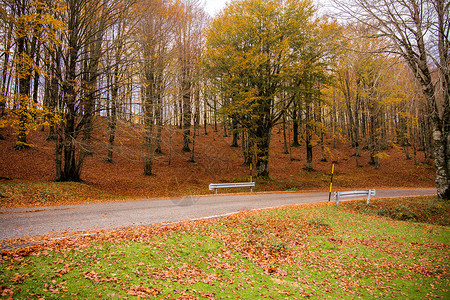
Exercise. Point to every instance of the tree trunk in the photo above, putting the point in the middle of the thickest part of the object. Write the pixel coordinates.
(224, 125)
(68, 131)
(441, 133)
(234, 143)
(4, 88)
(53, 94)
(286, 150)
(88, 116)
(262, 152)
(112, 123)
(414, 143)
(441, 138)
(295, 126)
(70, 172)
(24, 83)
(308, 138)
(112, 111)
(322, 133)
(374, 139)
(215, 114)
(205, 115)
(194, 136)
(247, 148)
(356, 123)
(176, 113)
(334, 119)
(196, 121)
(112, 119)
(36, 74)
(423, 127)
(187, 113)
(159, 123)
(58, 154)
(180, 114)
(149, 141)
(149, 151)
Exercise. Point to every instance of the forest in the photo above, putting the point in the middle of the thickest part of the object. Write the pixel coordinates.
(372, 76)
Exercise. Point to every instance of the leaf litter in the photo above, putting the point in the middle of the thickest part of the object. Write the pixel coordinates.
(293, 252)
(27, 177)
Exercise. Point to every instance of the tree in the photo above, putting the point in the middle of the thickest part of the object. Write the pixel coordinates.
(253, 50)
(154, 36)
(87, 23)
(189, 44)
(28, 24)
(347, 83)
(373, 88)
(316, 56)
(25, 55)
(419, 31)
(115, 76)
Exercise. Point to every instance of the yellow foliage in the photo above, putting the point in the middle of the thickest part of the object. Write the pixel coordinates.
(382, 155)
(29, 117)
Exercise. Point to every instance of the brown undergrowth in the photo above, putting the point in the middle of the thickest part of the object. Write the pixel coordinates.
(27, 176)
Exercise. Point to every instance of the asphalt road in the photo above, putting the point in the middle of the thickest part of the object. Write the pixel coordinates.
(29, 222)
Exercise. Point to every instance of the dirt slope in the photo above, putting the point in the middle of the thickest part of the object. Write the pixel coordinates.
(215, 160)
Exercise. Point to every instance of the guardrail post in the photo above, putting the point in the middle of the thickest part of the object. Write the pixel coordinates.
(371, 193)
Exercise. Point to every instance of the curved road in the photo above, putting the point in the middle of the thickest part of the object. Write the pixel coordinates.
(28, 222)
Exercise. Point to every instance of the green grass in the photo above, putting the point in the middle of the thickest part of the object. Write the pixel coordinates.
(311, 251)
(427, 209)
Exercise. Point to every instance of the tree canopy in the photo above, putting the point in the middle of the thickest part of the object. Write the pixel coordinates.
(256, 54)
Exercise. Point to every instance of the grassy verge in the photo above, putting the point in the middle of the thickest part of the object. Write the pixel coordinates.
(432, 210)
(312, 251)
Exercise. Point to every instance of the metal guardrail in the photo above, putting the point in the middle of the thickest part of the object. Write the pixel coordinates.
(367, 193)
(215, 186)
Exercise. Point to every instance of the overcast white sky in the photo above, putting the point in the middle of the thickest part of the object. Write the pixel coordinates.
(214, 6)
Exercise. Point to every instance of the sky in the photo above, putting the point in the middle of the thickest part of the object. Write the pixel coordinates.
(214, 6)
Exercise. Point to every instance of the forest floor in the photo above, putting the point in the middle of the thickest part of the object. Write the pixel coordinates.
(27, 176)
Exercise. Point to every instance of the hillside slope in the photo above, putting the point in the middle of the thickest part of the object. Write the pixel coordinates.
(215, 161)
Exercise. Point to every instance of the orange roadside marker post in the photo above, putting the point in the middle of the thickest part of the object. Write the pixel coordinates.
(331, 184)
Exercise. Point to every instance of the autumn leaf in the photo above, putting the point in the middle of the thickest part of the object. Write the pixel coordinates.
(61, 272)
(287, 293)
(144, 292)
(95, 277)
(187, 297)
(19, 278)
(6, 291)
(91, 275)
